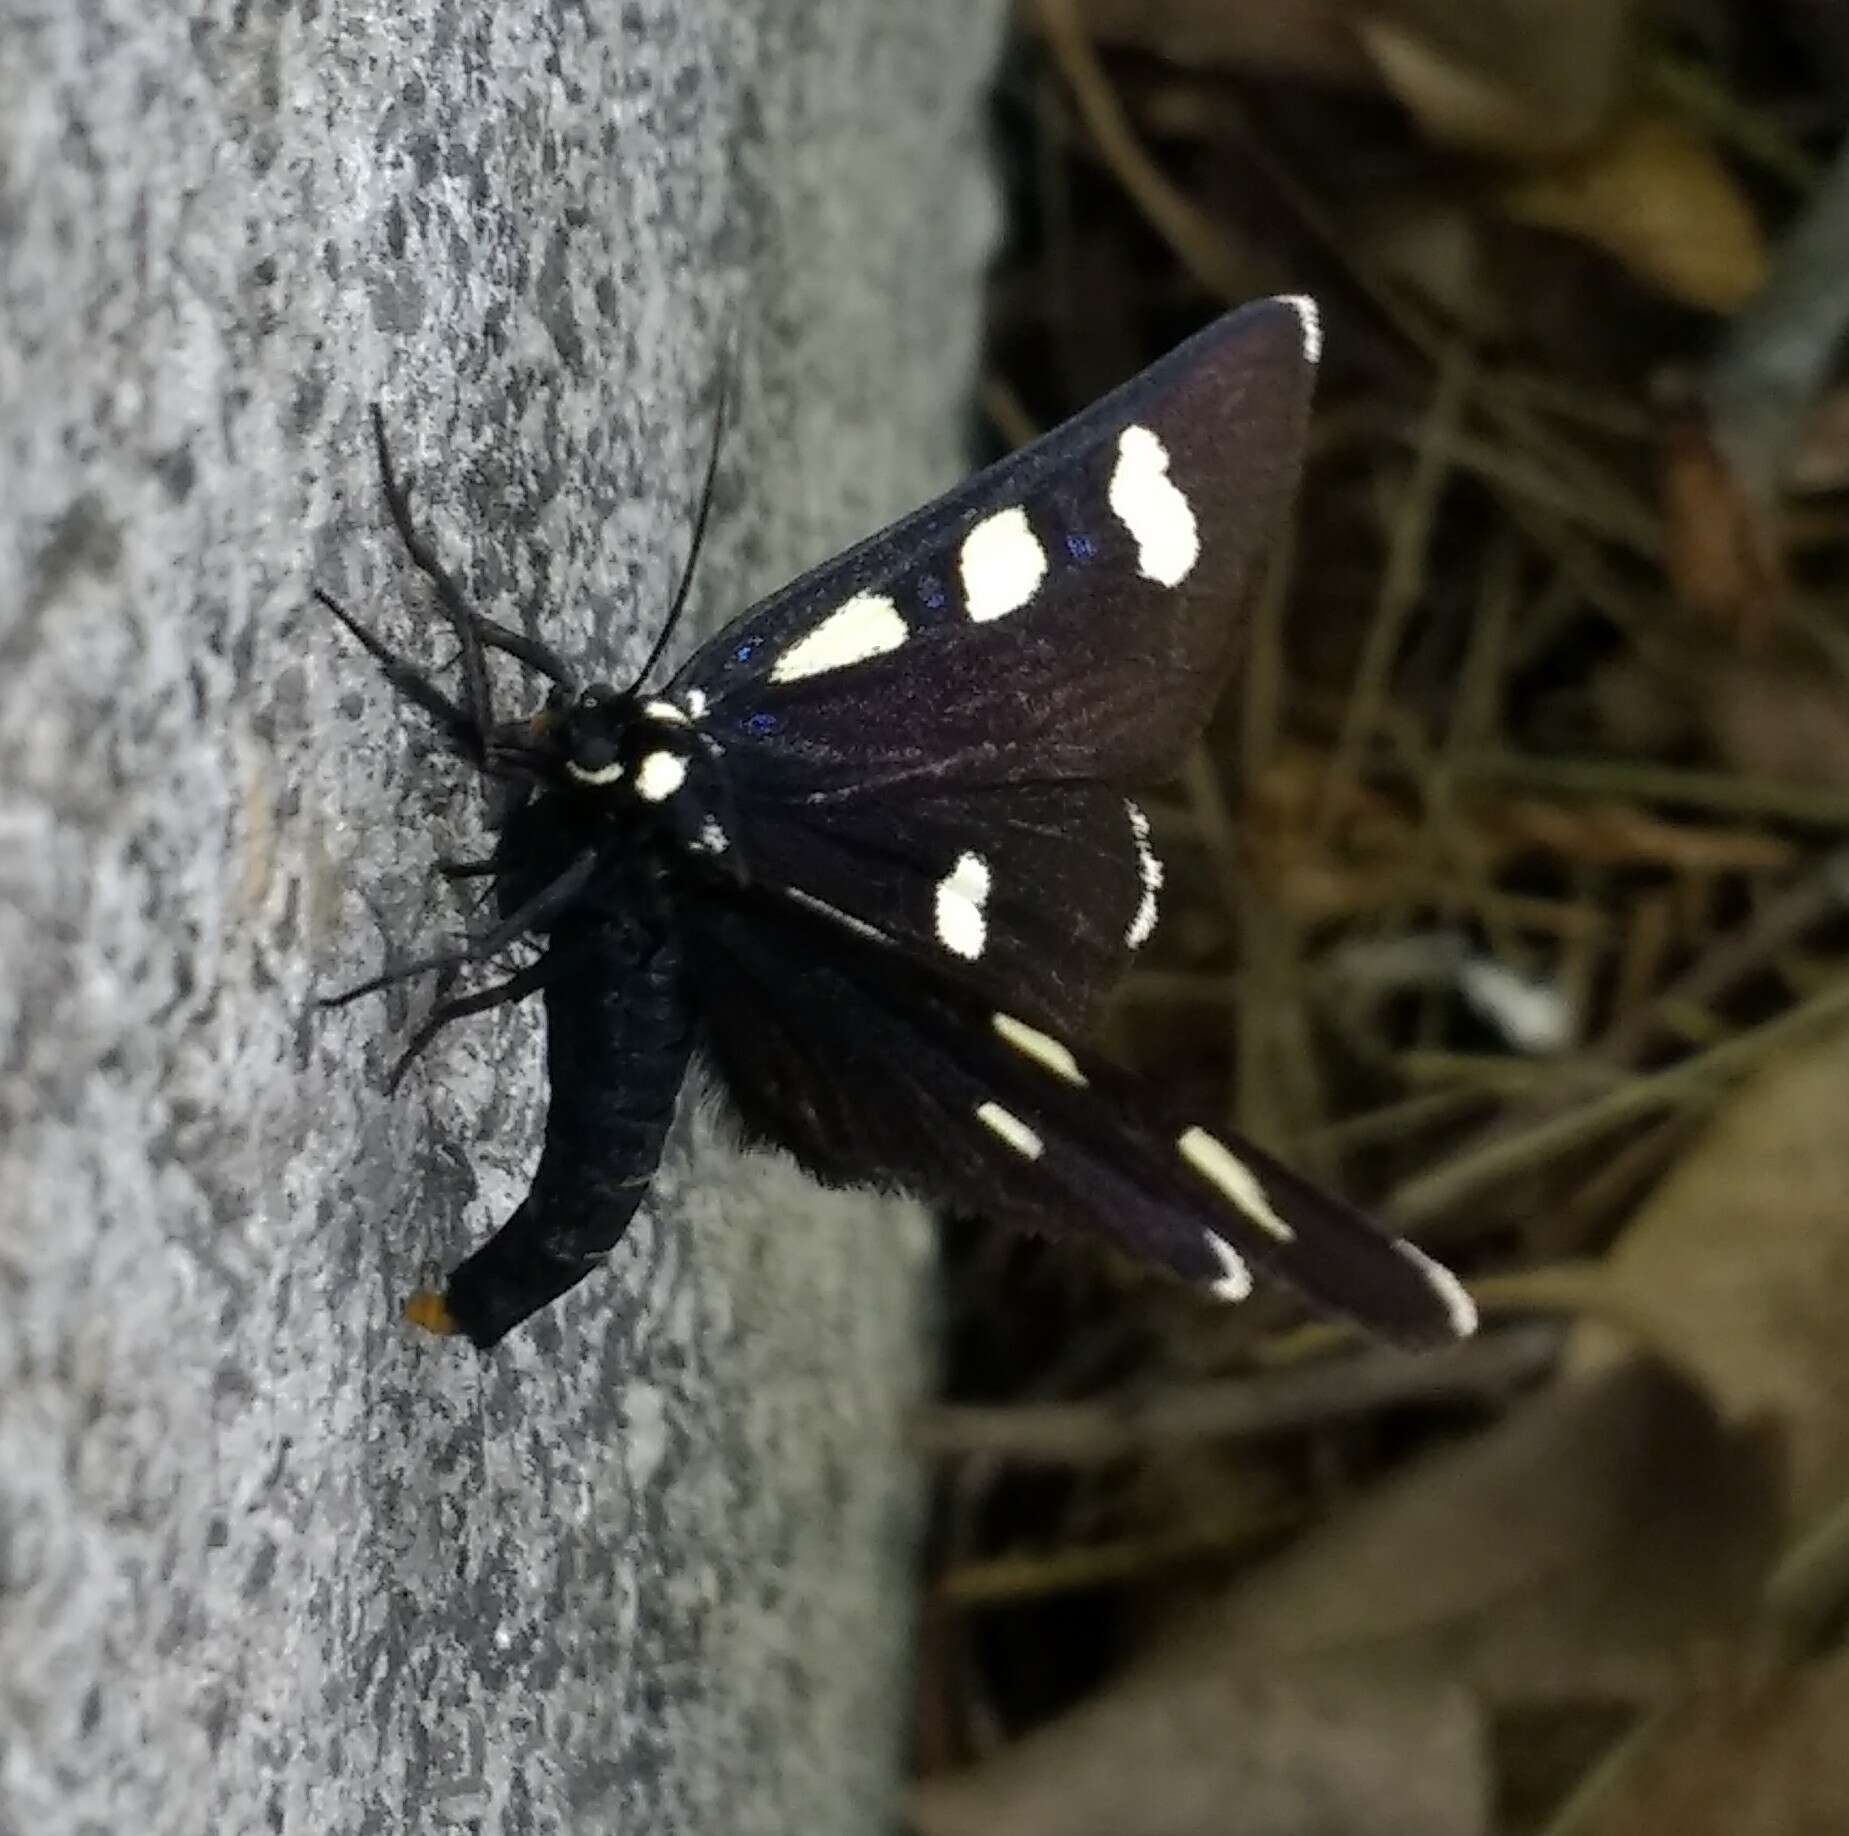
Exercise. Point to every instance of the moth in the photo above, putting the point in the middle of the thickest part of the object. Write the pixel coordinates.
(873, 853)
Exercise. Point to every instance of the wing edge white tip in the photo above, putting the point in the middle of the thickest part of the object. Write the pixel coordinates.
(1309, 319)
(1458, 1305)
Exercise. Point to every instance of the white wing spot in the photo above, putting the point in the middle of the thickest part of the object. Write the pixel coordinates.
(696, 703)
(665, 710)
(1236, 1283)
(962, 927)
(1311, 321)
(1046, 1051)
(712, 838)
(1151, 506)
(869, 625)
(659, 776)
(594, 774)
(1002, 566)
(1011, 1129)
(1216, 1161)
(1456, 1298)
(1149, 869)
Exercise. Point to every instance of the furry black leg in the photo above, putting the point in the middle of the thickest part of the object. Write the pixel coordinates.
(548, 903)
(528, 981)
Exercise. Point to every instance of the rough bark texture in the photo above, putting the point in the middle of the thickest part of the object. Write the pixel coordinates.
(267, 1560)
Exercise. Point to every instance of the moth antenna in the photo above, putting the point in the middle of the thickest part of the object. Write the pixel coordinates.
(699, 519)
(478, 695)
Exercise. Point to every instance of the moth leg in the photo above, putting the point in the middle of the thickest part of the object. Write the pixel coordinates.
(542, 659)
(516, 988)
(477, 691)
(544, 906)
(412, 684)
(475, 631)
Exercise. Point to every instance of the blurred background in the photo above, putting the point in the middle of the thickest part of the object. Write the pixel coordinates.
(1510, 897)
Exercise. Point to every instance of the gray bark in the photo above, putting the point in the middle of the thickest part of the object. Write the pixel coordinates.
(268, 1560)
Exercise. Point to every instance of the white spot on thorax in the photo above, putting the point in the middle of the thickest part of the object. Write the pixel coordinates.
(1046, 1051)
(1236, 1283)
(868, 625)
(594, 774)
(1311, 321)
(659, 776)
(1213, 1158)
(1011, 1129)
(1149, 870)
(1150, 505)
(962, 927)
(1457, 1302)
(1002, 566)
(665, 710)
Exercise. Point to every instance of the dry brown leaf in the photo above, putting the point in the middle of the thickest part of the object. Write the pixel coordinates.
(1781, 721)
(1581, 1548)
(1522, 78)
(1723, 540)
(1659, 198)
(1767, 1761)
(1301, 1753)
(1820, 461)
(1743, 1255)
(1638, 713)
(1435, 246)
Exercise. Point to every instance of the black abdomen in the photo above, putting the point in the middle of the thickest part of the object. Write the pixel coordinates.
(618, 1038)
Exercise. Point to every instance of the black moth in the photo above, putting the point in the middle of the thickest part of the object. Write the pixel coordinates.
(869, 852)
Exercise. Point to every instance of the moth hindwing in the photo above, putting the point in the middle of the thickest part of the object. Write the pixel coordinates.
(871, 849)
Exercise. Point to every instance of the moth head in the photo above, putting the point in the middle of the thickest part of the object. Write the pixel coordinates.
(589, 730)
